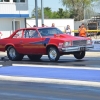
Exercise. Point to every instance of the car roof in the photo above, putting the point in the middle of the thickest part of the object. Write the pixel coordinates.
(36, 28)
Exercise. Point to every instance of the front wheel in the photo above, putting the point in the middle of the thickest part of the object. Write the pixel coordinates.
(13, 54)
(53, 54)
(79, 55)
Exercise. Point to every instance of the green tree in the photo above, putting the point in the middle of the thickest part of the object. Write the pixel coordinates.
(62, 13)
(54, 15)
(76, 7)
(33, 13)
(47, 12)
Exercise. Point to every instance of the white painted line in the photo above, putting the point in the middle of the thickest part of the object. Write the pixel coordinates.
(52, 81)
(53, 66)
(0, 65)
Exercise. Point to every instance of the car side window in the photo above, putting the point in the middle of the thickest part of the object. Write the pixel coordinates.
(30, 34)
(49, 31)
(26, 34)
(18, 34)
(44, 32)
(59, 31)
(53, 31)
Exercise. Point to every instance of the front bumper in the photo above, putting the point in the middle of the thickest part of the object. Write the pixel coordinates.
(77, 48)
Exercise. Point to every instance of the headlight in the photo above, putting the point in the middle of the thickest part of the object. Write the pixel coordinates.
(67, 44)
(89, 41)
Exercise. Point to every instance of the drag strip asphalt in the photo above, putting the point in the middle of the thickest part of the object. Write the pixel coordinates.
(64, 75)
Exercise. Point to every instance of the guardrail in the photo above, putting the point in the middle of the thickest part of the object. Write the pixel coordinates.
(94, 34)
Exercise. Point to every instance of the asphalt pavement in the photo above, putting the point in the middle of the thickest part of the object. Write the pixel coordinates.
(67, 79)
(41, 91)
(91, 59)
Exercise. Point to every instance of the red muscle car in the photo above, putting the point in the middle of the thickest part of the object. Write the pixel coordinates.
(35, 42)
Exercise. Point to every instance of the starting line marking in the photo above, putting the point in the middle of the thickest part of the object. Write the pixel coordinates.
(0, 65)
(52, 81)
(54, 66)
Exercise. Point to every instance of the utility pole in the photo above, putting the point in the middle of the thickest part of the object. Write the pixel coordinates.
(42, 12)
(36, 12)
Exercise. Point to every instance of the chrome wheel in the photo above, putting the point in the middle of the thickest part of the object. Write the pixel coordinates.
(53, 54)
(12, 53)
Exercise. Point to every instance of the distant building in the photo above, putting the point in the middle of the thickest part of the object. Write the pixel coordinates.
(13, 14)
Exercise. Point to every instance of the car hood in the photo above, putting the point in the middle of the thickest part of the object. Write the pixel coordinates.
(67, 37)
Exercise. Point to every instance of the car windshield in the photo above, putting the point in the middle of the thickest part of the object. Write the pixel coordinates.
(49, 31)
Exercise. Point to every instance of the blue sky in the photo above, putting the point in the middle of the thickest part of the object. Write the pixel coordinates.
(53, 4)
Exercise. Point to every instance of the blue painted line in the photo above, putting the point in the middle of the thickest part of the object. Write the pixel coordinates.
(54, 73)
(46, 40)
(14, 15)
(40, 42)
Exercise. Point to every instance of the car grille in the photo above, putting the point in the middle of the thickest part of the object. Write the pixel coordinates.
(79, 43)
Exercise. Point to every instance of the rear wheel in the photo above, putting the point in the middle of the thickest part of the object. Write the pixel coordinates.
(34, 57)
(53, 54)
(13, 54)
(79, 55)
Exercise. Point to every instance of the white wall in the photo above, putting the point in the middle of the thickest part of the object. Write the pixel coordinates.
(13, 8)
(6, 26)
(59, 23)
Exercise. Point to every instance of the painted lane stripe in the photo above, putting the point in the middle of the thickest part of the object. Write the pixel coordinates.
(53, 66)
(0, 65)
(52, 73)
(52, 81)
(31, 96)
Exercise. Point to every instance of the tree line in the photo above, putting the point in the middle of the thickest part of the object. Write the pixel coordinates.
(49, 14)
(74, 9)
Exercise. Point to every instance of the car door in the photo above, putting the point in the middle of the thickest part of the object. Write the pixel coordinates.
(22, 41)
(33, 41)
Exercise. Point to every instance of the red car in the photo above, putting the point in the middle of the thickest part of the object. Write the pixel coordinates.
(35, 42)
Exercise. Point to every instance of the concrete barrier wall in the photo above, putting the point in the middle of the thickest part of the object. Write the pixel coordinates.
(96, 43)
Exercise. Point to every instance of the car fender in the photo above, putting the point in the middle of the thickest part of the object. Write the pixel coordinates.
(7, 45)
(49, 45)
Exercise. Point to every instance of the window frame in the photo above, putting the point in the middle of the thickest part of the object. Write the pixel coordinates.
(19, 1)
(4, 1)
(17, 35)
(29, 33)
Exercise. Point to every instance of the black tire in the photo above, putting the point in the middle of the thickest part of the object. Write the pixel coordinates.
(79, 55)
(34, 57)
(57, 54)
(13, 54)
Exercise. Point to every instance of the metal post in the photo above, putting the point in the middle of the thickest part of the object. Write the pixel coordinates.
(42, 12)
(84, 14)
(36, 12)
(25, 22)
(13, 24)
